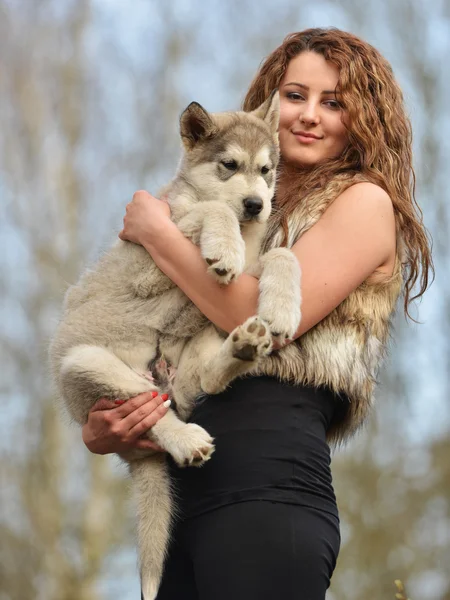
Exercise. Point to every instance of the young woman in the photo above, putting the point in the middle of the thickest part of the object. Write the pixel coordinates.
(260, 519)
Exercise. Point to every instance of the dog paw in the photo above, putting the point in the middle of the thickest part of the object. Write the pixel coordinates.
(192, 446)
(224, 270)
(225, 264)
(251, 340)
(282, 323)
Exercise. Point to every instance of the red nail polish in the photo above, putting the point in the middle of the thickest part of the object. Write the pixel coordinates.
(154, 394)
(119, 402)
(164, 396)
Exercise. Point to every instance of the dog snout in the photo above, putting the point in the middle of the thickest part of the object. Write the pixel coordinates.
(253, 205)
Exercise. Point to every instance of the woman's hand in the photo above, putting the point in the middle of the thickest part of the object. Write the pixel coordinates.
(146, 216)
(117, 426)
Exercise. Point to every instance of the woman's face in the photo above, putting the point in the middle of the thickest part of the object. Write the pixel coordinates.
(311, 127)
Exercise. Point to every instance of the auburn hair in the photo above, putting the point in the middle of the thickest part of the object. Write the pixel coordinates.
(380, 137)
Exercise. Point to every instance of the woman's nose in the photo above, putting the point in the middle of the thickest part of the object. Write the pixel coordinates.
(309, 113)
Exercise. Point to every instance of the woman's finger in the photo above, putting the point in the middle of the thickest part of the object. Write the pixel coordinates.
(124, 409)
(141, 195)
(149, 420)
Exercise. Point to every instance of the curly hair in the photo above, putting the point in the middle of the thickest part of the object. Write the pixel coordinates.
(380, 137)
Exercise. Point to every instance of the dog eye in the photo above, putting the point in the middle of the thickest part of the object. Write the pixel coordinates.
(231, 165)
(265, 170)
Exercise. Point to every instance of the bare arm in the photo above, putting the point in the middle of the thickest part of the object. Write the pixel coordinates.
(354, 237)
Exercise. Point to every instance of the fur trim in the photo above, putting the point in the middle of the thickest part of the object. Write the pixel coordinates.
(345, 350)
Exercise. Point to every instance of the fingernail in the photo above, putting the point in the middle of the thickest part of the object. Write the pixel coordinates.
(164, 396)
(119, 402)
(167, 403)
(154, 394)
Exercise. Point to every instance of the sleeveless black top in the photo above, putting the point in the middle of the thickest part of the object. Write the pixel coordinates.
(270, 440)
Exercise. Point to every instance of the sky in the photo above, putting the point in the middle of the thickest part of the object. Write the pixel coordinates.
(227, 46)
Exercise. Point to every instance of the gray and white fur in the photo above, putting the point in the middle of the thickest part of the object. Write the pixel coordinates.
(124, 313)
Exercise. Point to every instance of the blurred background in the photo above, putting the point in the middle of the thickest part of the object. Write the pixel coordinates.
(90, 94)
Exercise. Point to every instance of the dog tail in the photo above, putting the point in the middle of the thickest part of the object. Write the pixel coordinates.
(91, 372)
(151, 487)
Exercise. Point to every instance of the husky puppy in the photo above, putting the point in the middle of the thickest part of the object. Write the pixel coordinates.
(124, 313)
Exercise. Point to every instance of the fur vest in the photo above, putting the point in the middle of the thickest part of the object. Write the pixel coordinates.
(344, 351)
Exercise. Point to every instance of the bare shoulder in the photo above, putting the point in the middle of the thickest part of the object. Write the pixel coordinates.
(363, 198)
(362, 205)
(365, 211)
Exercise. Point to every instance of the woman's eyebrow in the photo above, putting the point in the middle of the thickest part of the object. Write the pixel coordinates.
(305, 87)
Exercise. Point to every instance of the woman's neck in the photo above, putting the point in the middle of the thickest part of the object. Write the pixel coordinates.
(299, 180)
(290, 179)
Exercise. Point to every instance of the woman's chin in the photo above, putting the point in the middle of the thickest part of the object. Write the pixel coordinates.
(302, 160)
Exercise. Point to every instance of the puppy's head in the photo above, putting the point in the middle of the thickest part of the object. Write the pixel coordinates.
(233, 157)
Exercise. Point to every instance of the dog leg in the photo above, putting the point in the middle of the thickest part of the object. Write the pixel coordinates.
(279, 292)
(240, 354)
(187, 443)
(91, 372)
(215, 228)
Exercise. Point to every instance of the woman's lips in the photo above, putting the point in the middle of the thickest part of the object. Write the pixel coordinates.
(306, 139)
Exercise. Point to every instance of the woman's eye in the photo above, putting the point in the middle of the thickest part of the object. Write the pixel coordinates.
(334, 104)
(265, 170)
(294, 96)
(231, 165)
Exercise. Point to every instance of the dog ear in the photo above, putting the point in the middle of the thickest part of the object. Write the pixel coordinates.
(196, 124)
(269, 111)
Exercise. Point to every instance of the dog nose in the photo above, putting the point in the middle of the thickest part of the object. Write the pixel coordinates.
(253, 205)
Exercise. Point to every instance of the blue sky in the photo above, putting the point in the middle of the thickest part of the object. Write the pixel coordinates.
(227, 42)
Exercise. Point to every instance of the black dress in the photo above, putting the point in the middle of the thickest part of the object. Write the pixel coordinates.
(259, 520)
